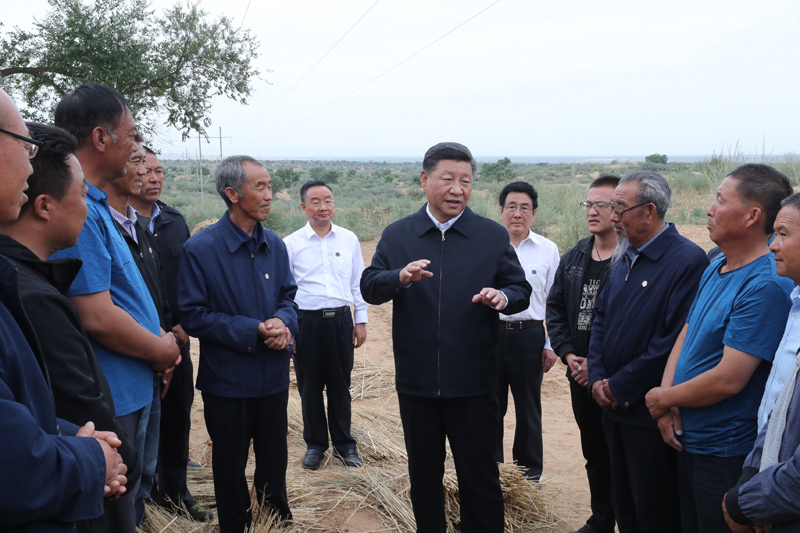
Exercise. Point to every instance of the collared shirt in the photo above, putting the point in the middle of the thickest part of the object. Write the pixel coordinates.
(539, 259)
(632, 252)
(128, 221)
(152, 225)
(443, 226)
(327, 270)
(784, 359)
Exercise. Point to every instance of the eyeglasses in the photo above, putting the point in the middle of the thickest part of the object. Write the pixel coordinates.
(523, 209)
(316, 203)
(30, 144)
(599, 206)
(617, 209)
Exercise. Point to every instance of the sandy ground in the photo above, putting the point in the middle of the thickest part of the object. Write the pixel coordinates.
(564, 472)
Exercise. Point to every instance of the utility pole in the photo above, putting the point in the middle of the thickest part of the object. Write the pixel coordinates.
(200, 159)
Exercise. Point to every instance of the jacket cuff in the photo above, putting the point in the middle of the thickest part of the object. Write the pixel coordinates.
(732, 506)
(563, 350)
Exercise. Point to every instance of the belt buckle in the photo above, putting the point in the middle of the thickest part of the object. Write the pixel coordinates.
(509, 324)
(328, 313)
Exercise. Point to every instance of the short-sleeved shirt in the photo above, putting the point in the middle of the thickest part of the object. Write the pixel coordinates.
(733, 309)
(109, 266)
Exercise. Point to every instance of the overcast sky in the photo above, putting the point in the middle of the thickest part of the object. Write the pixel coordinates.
(521, 78)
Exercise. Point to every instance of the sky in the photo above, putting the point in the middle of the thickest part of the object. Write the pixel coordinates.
(505, 77)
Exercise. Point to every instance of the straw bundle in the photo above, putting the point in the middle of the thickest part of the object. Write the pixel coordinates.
(367, 380)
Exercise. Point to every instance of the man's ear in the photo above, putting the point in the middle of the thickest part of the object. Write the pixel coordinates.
(232, 195)
(98, 139)
(754, 214)
(423, 180)
(43, 206)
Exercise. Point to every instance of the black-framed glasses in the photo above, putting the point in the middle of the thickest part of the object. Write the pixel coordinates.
(599, 206)
(619, 211)
(32, 145)
(524, 209)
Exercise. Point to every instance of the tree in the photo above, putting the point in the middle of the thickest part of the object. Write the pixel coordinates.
(656, 158)
(322, 174)
(287, 175)
(500, 171)
(172, 64)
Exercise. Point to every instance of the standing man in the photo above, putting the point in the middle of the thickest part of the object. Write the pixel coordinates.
(326, 263)
(236, 294)
(638, 317)
(766, 493)
(581, 275)
(111, 297)
(525, 352)
(445, 335)
(716, 372)
(171, 232)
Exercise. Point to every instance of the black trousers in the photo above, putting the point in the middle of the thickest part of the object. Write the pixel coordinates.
(703, 482)
(589, 417)
(231, 423)
(644, 479)
(470, 426)
(176, 423)
(520, 368)
(324, 361)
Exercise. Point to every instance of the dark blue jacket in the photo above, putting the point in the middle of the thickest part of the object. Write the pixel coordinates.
(47, 481)
(224, 292)
(638, 316)
(171, 233)
(445, 345)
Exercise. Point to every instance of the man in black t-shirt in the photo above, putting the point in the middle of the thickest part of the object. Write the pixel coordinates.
(580, 277)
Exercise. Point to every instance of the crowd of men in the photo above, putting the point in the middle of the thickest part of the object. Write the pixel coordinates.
(682, 371)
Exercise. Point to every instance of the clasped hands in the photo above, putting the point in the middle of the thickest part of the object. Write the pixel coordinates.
(115, 469)
(415, 271)
(275, 333)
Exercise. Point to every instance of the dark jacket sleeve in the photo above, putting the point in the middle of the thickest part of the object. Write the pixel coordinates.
(511, 281)
(379, 282)
(556, 313)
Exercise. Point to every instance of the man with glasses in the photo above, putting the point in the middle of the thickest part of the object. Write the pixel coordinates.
(715, 376)
(525, 353)
(582, 273)
(109, 292)
(638, 317)
(326, 263)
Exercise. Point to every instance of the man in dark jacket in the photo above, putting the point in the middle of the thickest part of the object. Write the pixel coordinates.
(581, 275)
(51, 220)
(445, 341)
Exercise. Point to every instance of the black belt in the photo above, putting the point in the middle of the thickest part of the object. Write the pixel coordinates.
(521, 324)
(326, 313)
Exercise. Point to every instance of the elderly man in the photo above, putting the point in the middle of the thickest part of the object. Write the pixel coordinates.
(716, 372)
(236, 294)
(51, 220)
(111, 297)
(449, 272)
(582, 273)
(638, 317)
(49, 480)
(171, 232)
(525, 353)
(766, 495)
(327, 265)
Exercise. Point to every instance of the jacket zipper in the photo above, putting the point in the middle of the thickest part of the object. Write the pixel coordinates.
(439, 328)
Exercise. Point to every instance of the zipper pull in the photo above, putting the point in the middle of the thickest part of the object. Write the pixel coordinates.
(442, 236)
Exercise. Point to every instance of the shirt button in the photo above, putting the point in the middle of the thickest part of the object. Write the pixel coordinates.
(627, 404)
(249, 349)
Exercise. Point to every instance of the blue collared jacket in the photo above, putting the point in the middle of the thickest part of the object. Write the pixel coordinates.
(224, 292)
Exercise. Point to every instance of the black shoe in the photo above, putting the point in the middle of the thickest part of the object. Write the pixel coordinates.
(193, 464)
(198, 513)
(312, 459)
(588, 528)
(349, 458)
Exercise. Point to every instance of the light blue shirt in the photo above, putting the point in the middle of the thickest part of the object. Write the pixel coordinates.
(784, 359)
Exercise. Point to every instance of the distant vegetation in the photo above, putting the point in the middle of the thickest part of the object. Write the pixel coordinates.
(371, 195)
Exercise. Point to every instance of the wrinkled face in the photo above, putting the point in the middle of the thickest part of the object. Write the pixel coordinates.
(599, 220)
(727, 215)
(517, 214)
(15, 166)
(631, 224)
(153, 180)
(447, 188)
(786, 245)
(131, 183)
(118, 153)
(256, 198)
(318, 206)
(71, 210)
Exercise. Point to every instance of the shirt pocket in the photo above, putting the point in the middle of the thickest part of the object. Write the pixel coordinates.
(342, 264)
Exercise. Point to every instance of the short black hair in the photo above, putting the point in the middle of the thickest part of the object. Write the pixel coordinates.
(148, 150)
(447, 151)
(89, 106)
(792, 200)
(605, 180)
(765, 186)
(523, 187)
(312, 183)
(51, 174)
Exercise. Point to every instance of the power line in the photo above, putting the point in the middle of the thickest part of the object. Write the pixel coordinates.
(384, 73)
(245, 14)
(309, 70)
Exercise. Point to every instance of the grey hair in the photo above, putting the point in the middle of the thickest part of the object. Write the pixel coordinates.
(653, 189)
(619, 251)
(230, 173)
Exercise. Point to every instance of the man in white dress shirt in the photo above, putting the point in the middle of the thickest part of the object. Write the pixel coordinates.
(326, 263)
(525, 352)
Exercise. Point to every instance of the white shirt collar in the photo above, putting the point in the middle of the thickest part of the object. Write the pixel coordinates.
(443, 226)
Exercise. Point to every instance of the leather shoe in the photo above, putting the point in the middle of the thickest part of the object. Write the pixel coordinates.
(588, 528)
(312, 459)
(350, 458)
